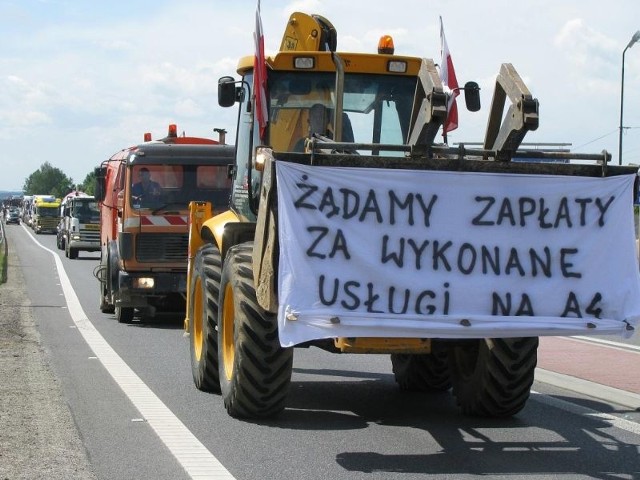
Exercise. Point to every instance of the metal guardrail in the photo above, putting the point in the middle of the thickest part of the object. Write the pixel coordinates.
(4, 251)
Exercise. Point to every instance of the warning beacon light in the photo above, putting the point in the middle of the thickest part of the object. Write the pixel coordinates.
(385, 45)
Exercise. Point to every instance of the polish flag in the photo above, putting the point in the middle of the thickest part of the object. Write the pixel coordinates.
(450, 82)
(260, 76)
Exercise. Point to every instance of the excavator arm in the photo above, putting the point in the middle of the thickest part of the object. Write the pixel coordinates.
(504, 135)
(429, 106)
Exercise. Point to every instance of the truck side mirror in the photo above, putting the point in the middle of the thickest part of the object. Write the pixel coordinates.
(100, 190)
(227, 95)
(472, 96)
(120, 202)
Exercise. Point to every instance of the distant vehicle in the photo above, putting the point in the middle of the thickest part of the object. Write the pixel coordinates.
(45, 214)
(79, 227)
(12, 216)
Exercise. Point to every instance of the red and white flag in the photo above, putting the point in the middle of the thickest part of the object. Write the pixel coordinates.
(260, 76)
(450, 82)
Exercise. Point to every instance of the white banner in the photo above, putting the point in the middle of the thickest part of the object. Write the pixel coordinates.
(404, 253)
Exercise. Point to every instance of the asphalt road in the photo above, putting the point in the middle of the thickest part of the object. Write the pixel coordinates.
(122, 403)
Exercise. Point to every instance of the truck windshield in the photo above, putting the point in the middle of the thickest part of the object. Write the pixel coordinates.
(48, 211)
(377, 108)
(172, 187)
(86, 210)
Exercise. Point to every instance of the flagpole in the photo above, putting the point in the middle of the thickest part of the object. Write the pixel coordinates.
(450, 84)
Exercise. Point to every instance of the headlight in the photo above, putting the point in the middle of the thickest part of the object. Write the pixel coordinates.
(261, 155)
(144, 282)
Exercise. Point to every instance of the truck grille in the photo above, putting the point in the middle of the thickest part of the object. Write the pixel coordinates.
(162, 247)
(89, 235)
(46, 223)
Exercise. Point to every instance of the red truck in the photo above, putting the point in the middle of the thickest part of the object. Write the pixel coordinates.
(144, 223)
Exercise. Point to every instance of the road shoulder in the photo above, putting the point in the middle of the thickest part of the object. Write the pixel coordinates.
(39, 438)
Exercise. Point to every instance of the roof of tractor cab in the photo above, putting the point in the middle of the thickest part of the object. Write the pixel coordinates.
(323, 62)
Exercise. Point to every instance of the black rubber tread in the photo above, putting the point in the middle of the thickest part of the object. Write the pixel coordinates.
(73, 253)
(207, 268)
(124, 314)
(422, 372)
(492, 377)
(104, 306)
(259, 382)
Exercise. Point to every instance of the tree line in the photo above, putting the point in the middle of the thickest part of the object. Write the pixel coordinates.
(50, 180)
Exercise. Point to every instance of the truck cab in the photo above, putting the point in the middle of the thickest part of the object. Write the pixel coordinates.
(45, 215)
(144, 237)
(79, 228)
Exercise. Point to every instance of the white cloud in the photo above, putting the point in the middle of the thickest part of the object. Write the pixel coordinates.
(84, 77)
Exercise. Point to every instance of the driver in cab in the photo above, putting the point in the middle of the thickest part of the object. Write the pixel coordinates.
(145, 190)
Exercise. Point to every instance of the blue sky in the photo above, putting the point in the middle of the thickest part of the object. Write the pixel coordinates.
(83, 79)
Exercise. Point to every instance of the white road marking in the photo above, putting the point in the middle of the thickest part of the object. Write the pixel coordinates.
(608, 343)
(575, 409)
(198, 462)
(591, 389)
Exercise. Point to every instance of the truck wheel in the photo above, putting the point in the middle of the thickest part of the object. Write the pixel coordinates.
(73, 253)
(204, 290)
(492, 377)
(105, 306)
(422, 372)
(255, 371)
(124, 314)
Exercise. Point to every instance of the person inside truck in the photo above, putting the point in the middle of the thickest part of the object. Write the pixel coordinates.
(146, 190)
(320, 123)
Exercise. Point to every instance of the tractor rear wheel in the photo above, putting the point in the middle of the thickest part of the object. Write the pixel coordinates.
(204, 290)
(492, 377)
(255, 371)
(422, 372)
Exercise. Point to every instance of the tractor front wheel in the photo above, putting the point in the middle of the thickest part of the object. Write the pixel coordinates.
(255, 371)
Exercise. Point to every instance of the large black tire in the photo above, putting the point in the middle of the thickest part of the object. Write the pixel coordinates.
(204, 290)
(124, 314)
(422, 372)
(255, 371)
(492, 377)
(104, 305)
(72, 253)
(108, 278)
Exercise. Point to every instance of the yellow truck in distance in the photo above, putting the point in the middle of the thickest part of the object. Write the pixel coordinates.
(45, 215)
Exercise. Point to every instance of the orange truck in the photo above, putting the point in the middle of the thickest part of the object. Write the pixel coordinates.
(144, 193)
